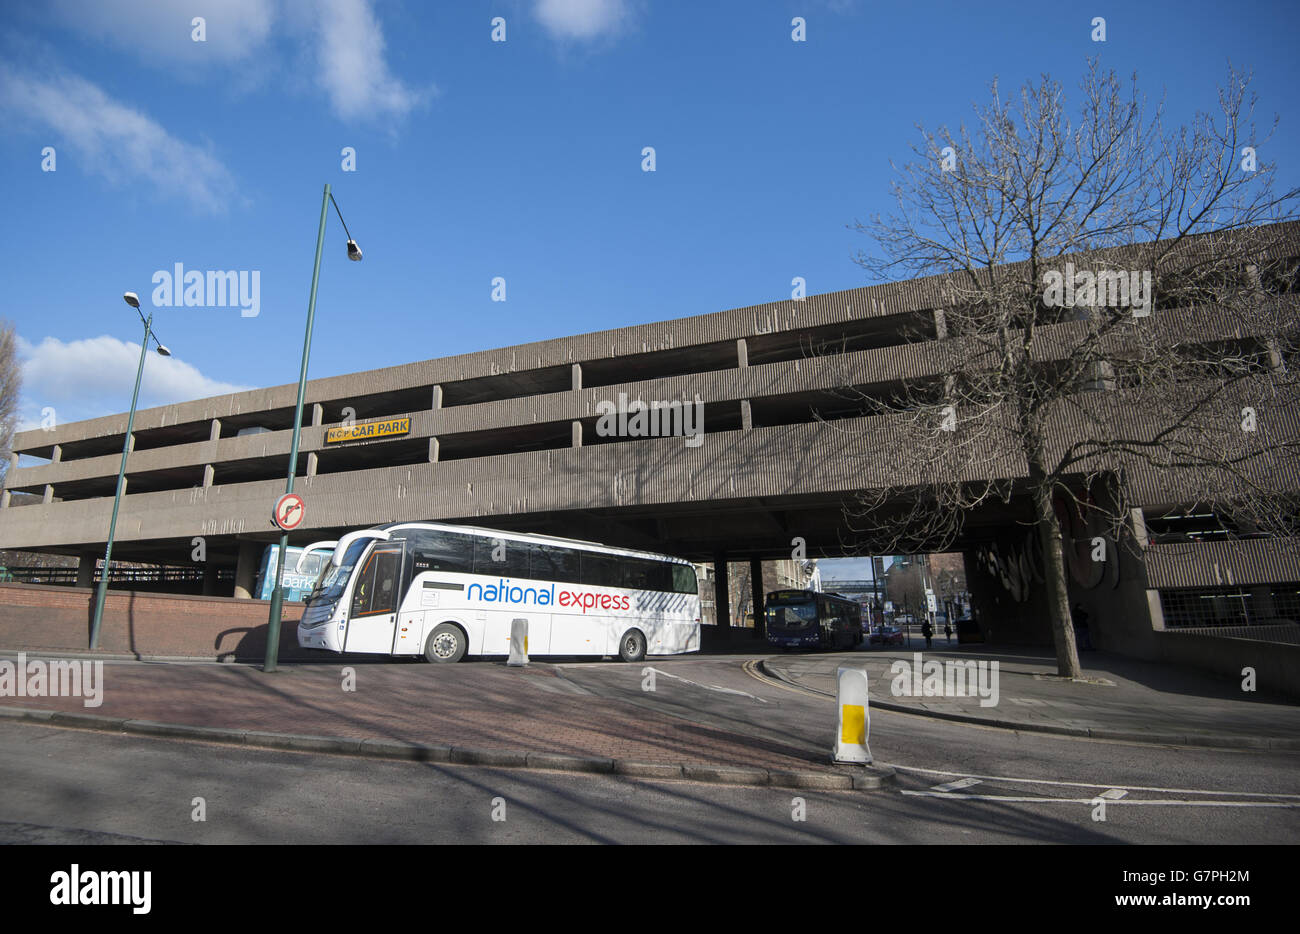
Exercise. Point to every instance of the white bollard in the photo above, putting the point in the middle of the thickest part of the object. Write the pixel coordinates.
(854, 721)
(518, 643)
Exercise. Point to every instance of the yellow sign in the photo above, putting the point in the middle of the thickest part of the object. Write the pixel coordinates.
(368, 431)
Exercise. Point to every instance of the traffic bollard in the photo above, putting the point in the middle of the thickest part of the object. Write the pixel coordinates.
(518, 643)
(854, 722)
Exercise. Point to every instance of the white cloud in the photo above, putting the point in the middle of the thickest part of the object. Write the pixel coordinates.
(94, 377)
(114, 140)
(345, 38)
(154, 29)
(351, 64)
(583, 20)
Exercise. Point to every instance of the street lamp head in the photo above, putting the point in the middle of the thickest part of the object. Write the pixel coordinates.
(132, 299)
(163, 351)
(354, 251)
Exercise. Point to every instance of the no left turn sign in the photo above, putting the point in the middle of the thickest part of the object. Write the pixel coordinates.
(289, 512)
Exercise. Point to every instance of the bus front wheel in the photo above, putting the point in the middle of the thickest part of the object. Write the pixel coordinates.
(631, 646)
(447, 643)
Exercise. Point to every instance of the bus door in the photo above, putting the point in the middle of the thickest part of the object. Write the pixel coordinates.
(375, 595)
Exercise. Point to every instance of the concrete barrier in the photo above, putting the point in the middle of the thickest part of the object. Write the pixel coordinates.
(45, 619)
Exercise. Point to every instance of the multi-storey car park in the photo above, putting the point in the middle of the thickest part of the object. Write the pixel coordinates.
(509, 438)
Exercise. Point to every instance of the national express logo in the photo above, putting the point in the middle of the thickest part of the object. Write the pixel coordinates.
(504, 592)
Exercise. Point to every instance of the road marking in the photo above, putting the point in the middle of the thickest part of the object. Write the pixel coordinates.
(1114, 794)
(707, 687)
(751, 668)
(1028, 799)
(953, 786)
(1044, 781)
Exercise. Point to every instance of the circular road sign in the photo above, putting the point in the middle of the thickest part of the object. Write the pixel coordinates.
(289, 511)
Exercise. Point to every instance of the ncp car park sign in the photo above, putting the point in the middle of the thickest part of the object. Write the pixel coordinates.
(289, 512)
(367, 431)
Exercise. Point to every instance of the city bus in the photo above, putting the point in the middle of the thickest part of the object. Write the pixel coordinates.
(448, 591)
(807, 618)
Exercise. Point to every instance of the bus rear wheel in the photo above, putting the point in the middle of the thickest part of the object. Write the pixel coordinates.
(631, 646)
(446, 644)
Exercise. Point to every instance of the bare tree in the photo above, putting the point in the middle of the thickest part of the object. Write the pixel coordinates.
(11, 378)
(1118, 308)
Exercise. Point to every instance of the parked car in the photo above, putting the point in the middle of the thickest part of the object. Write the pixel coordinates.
(886, 635)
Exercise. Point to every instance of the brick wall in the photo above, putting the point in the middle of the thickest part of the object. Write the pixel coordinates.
(39, 618)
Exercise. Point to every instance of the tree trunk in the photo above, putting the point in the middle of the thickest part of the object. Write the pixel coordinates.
(1058, 598)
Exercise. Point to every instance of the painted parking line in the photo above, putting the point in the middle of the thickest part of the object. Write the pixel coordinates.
(1110, 785)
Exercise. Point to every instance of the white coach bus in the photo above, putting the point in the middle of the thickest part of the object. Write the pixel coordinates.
(447, 591)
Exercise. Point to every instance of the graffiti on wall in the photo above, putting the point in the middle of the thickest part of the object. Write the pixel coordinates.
(1088, 550)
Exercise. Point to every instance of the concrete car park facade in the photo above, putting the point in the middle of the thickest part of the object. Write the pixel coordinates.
(521, 438)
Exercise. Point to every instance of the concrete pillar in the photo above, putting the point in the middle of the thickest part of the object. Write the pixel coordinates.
(1139, 522)
(721, 595)
(317, 415)
(940, 324)
(57, 454)
(577, 434)
(86, 570)
(312, 461)
(433, 450)
(746, 416)
(13, 460)
(1156, 610)
(130, 444)
(577, 376)
(210, 580)
(756, 593)
(208, 473)
(4, 500)
(436, 402)
(742, 353)
(214, 433)
(48, 495)
(246, 569)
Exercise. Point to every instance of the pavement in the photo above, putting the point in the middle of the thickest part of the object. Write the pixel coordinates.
(1118, 698)
(480, 712)
(483, 712)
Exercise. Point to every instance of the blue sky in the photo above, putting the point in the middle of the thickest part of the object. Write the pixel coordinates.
(519, 159)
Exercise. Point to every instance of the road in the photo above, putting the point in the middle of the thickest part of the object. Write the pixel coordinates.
(956, 783)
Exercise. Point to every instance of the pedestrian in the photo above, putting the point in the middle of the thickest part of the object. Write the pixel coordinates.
(947, 631)
(928, 631)
(1082, 637)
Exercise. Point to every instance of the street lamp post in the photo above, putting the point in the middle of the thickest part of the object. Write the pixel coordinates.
(133, 300)
(277, 592)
